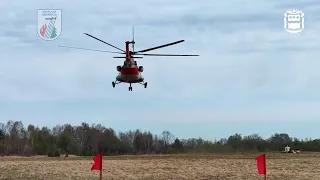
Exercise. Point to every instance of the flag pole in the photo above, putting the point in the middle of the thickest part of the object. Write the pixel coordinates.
(101, 174)
(265, 166)
(101, 166)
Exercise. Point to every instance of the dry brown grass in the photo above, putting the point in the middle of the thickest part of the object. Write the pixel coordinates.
(213, 166)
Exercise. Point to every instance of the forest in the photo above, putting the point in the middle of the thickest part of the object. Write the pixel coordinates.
(88, 140)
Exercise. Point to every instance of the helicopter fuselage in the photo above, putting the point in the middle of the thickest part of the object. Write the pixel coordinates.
(130, 72)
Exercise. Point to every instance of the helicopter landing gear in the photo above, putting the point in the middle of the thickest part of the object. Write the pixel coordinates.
(130, 87)
(144, 84)
(114, 83)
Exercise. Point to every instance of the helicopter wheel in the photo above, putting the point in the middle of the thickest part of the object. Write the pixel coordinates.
(113, 84)
(130, 88)
(145, 85)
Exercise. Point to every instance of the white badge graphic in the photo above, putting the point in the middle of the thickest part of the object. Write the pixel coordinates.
(294, 21)
(49, 24)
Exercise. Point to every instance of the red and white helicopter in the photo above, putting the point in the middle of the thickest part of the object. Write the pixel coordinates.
(130, 72)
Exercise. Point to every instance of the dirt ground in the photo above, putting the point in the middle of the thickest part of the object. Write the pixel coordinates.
(214, 166)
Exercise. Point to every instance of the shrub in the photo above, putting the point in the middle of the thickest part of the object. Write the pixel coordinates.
(55, 153)
(50, 154)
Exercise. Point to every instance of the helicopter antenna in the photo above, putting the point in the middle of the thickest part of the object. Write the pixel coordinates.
(133, 39)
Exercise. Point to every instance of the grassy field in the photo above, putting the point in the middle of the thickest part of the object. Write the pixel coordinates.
(214, 166)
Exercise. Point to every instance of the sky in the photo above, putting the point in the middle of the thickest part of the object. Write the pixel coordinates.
(252, 76)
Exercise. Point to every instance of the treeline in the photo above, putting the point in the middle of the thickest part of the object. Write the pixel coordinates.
(84, 140)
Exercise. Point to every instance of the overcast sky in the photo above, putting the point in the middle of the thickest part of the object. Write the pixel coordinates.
(251, 76)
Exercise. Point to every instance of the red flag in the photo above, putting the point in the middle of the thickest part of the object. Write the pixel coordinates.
(97, 165)
(261, 164)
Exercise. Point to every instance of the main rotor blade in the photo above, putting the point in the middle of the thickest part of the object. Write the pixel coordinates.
(167, 54)
(126, 57)
(104, 42)
(91, 49)
(157, 47)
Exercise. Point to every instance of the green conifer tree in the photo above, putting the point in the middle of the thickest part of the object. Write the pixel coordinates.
(54, 33)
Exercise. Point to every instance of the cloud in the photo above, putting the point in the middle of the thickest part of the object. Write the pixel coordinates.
(246, 59)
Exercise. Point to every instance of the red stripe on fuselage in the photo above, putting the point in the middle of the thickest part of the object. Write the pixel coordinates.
(129, 71)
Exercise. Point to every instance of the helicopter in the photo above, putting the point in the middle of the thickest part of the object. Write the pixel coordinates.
(130, 72)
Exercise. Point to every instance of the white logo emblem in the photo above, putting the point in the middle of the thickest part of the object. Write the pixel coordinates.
(294, 21)
(49, 23)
